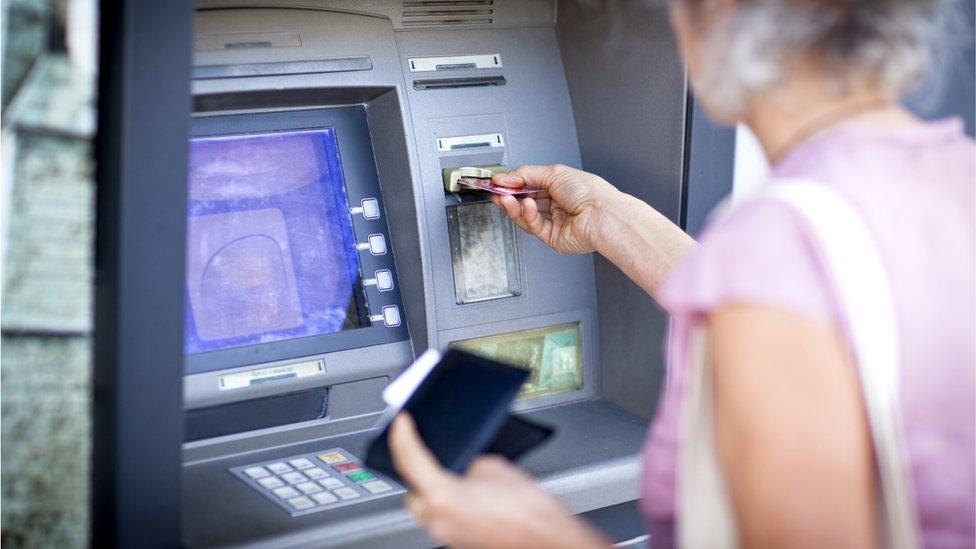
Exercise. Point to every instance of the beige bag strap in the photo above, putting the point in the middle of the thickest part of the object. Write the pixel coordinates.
(857, 270)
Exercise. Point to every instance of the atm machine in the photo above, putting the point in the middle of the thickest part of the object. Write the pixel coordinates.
(327, 248)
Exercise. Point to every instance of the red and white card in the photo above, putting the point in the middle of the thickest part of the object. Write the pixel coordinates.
(487, 185)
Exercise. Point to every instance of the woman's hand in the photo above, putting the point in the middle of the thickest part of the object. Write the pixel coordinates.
(578, 212)
(493, 505)
(567, 214)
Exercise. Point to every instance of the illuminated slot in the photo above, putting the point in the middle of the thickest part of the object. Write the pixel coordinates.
(554, 355)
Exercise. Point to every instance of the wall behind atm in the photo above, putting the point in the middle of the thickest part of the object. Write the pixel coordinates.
(46, 243)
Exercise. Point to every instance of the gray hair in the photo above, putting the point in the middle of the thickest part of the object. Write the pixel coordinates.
(891, 42)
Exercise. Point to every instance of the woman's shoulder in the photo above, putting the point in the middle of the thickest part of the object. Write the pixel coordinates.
(759, 254)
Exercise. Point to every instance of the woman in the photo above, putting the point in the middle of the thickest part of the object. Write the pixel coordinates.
(818, 82)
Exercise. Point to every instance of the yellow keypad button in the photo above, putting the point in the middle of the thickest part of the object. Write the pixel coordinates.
(333, 457)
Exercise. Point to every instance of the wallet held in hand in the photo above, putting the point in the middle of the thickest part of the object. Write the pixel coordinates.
(459, 402)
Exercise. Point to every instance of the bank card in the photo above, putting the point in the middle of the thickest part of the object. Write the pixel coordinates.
(487, 185)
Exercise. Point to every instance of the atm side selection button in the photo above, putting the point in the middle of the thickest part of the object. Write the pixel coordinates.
(384, 280)
(377, 244)
(371, 208)
(391, 316)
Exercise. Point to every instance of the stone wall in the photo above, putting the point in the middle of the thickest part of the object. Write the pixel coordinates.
(45, 313)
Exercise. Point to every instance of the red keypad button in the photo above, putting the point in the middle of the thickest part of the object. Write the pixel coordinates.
(346, 467)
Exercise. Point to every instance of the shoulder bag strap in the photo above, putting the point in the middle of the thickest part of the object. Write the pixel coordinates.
(851, 257)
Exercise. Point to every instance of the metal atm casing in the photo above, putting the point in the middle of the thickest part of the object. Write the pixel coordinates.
(553, 107)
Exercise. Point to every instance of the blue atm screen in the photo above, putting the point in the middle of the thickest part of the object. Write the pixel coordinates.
(271, 253)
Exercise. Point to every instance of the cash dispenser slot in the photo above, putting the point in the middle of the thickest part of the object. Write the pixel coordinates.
(259, 413)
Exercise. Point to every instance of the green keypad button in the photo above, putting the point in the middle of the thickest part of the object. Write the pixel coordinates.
(361, 476)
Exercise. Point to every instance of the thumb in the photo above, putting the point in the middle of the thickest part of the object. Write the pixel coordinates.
(532, 176)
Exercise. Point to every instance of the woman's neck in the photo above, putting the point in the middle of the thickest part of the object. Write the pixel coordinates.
(795, 110)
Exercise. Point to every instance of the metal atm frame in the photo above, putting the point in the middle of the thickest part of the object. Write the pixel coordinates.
(643, 133)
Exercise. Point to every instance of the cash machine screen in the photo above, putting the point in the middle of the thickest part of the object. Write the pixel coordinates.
(271, 253)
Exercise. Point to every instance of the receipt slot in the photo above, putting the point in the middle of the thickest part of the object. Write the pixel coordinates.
(329, 244)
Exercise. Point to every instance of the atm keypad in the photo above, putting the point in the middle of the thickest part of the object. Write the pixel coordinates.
(316, 482)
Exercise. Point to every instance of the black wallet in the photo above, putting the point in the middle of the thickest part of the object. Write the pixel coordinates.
(461, 411)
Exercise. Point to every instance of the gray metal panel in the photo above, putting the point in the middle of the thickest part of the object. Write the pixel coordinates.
(628, 92)
(396, 177)
(201, 390)
(534, 115)
(140, 158)
(590, 463)
(505, 13)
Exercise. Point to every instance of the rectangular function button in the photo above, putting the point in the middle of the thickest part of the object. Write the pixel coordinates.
(315, 473)
(257, 472)
(294, 478)
(384, 280)
(308, 487)
(301, 463)
(346, 467)
(361, 476)
(333, 457)
(391, 315)
(346, 493)
(332, 483)
(300, 503)
(371, 208)
(271, 482)
(286, 492)
(280, 468)
(377, 487)
(324, 498)
(377, 244)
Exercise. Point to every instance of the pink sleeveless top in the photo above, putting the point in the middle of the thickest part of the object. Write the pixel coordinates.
(915, 189)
